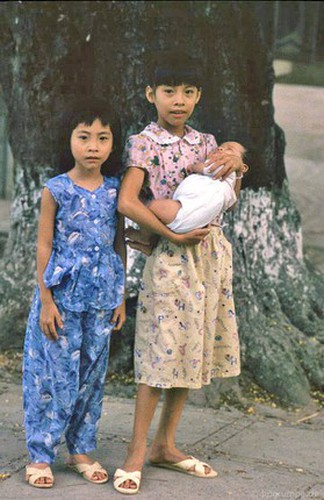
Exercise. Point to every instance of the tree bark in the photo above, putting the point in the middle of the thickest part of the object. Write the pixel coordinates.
(52, 50)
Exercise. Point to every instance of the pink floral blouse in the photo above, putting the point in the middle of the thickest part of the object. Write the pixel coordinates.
(165, 157)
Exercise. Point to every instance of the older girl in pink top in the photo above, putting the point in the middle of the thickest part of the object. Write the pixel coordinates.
(186, 331)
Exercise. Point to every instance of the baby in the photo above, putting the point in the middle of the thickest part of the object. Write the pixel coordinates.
(197, 201)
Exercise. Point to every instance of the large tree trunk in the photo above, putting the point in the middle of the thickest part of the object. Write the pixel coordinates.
(54, 49)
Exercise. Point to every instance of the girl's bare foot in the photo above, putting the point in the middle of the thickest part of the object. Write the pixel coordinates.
(84, 459)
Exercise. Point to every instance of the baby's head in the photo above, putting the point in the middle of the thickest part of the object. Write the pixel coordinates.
(234, 148)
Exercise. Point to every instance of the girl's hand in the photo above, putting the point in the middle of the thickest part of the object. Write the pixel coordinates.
(50, 318)
(230, 163)
(119, 316)
(192, 238)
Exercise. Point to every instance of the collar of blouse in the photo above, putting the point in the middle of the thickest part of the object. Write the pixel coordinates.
(163, 137)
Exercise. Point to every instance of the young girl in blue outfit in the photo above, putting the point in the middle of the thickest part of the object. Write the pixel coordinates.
(186, 332)
(79, 299)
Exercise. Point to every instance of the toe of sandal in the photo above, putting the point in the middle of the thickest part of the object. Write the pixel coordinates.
(121, 476)
(33, 474)
(88, 470)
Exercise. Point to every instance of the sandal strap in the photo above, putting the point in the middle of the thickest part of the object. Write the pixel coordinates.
(90, 469)
(121, 476)
(190, 462)
(36, 473)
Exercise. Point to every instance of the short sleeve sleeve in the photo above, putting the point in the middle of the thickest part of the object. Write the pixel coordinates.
(211, 143)
(140, 153)
(55, 187)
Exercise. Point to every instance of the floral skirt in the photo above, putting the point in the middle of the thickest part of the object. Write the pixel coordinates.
(186, 331)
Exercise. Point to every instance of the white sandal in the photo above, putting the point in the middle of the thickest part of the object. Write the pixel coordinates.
(35, 473)
(121, 476)
(88, 470)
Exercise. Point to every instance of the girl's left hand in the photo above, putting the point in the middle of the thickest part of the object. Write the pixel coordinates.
(119, 316)
(230, 163)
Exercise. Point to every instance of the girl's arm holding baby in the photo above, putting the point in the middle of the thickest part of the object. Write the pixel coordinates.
(49, 316)
(130, 205)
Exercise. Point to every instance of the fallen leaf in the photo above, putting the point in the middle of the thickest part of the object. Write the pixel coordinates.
(4, 476)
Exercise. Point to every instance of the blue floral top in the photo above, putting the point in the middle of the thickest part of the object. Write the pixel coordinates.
(84, 270)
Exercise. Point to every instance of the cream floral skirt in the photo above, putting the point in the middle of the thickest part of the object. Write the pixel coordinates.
(186, 331)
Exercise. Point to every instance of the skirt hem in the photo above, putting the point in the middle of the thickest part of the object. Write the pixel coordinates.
(186, 385)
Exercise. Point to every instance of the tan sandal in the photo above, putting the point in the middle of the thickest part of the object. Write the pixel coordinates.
(188, 464)
(88, 470)
(33, 473)
(121, 476)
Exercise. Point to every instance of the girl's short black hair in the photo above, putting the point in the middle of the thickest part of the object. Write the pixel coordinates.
(86, 110)
(174, 68)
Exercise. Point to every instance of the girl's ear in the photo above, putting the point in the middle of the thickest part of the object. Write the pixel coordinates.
(198, 96)
(149, 93)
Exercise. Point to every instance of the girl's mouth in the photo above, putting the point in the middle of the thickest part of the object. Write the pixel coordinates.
(178, 113)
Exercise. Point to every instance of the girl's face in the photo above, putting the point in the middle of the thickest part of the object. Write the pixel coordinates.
(91, 145)
(174, 104)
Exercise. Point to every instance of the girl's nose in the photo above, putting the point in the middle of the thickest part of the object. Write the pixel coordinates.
(179, 99)
(93, 146)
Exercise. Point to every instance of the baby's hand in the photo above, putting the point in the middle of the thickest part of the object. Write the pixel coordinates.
(196, 168)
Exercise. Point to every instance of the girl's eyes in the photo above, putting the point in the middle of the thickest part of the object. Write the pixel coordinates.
(187, 91)
(85, 137)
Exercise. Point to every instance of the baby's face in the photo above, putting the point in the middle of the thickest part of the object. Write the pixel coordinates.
(231, 147)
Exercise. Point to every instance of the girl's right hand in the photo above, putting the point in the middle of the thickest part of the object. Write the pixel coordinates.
(50, 318)
(192, 238)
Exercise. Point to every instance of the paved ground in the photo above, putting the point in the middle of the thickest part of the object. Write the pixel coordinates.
(271, 454)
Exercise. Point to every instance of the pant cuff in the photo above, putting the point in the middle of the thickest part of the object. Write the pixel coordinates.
(81, 450)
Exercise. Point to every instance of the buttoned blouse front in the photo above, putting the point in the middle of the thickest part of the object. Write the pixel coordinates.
(165, 157)
(84, 270)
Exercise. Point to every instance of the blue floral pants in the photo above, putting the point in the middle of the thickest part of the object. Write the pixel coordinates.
(63, 381)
